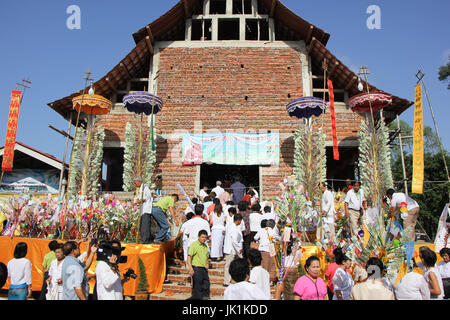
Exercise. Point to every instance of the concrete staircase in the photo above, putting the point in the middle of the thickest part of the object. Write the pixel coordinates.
(180, 287)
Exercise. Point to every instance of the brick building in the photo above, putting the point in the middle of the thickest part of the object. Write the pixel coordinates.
(221, 66)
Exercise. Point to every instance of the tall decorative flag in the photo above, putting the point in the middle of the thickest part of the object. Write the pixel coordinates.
(11, 133)
(333, 121)
(418, 157)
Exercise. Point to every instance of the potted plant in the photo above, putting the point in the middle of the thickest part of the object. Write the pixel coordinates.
(142, 288)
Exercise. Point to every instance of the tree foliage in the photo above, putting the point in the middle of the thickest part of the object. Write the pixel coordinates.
(444, 73)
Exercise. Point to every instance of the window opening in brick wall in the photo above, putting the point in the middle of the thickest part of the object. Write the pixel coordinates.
(139, 86)
(242, 7)
(201, 30)
(210, 173)
(251, 29)
(261, 9)
(228, 29)
(217, 6)
(113, 159)
(256, 29)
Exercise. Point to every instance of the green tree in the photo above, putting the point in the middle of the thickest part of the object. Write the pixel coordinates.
(444, 73)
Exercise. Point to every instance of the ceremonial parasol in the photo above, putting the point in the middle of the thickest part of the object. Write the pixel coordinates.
(363, 101)
(306, 107)
(92, 105)
(143, 103)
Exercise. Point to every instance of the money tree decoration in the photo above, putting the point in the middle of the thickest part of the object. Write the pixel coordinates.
(138, 163)
(76, 165)
(375, 169)
(95, 163)
(310, 160)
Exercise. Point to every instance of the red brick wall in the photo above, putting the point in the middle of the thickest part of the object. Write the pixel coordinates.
(210, 85)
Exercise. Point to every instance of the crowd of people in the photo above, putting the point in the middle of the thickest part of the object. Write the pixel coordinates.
(66, 269)
(234, 225)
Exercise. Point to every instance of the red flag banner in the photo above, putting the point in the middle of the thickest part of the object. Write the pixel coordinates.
(333, 121)
(11, 131)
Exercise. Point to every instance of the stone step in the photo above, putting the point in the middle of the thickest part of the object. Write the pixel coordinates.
(177, 296)
(214, 265)
(183, 279)
(215, 289)
(182, 270)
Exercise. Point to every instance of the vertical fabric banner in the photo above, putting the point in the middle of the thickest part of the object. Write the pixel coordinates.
(333, 121)
(11, 131)
(418, 152)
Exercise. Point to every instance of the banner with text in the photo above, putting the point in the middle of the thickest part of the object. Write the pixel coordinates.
(11, 131)
(231, 148)
(418, 152)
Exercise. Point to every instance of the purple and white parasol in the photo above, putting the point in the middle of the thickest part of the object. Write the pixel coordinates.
(306, 107)
(143, 102)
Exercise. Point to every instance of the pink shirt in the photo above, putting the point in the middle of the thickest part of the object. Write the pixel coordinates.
(307, 289)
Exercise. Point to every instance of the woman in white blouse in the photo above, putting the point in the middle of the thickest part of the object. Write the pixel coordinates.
(342, 280)
(19, 272)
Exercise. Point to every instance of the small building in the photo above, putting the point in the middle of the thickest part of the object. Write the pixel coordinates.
(224, 67)
(33, 171)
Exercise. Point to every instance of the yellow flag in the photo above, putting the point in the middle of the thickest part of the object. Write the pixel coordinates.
(418, 152)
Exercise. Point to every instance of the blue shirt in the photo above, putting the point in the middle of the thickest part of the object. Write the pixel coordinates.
(73, 276)
(238, 191)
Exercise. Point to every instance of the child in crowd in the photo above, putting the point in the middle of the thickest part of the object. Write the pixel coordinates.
(265, 236)
(242, 289)
(258, 275)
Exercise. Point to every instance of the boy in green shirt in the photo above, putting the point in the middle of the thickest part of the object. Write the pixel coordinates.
(198, 267)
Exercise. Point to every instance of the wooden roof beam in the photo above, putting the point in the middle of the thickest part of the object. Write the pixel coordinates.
(109, 83)
(186, 8)
(127, 72)
(310, 32)
(351, 83)
(149, 44)
(273, 8)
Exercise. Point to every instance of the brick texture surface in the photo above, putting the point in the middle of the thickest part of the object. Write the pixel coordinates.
(227, 89)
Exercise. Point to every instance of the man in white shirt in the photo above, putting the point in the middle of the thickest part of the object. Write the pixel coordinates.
(444, 271)
(410, 218)
(233, 245)
(327, 213)
(412, 287)
(145, 200)
(218, 190)
(354, 205)
(192, 227)
(242, 289)
(108, 282)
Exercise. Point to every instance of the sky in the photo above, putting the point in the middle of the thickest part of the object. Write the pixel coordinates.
(35, 43)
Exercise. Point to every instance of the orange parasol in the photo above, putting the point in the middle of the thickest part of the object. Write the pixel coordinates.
(94, 104)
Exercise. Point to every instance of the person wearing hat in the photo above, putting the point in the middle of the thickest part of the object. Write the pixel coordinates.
(145, 200)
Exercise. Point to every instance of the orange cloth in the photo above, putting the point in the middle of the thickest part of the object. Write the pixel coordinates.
(153, 257)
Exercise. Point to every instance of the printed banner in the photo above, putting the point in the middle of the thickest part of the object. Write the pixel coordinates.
(30, 180)
(231, 149)
(418, 152)
(11, 131)
(333, 121)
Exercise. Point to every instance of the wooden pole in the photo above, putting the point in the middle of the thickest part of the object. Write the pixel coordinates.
(65, 152)
(405, 179)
